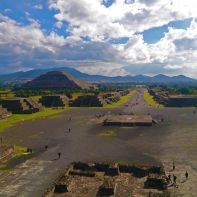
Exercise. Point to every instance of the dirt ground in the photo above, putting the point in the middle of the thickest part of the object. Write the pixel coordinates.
(174, 139)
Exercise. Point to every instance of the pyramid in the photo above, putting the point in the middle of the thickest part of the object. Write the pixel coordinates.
(56, 79)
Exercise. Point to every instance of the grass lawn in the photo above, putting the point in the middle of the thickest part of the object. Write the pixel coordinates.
(149, 99)
(36, 98)
(108, 133)
(122, 100)
(18, 118)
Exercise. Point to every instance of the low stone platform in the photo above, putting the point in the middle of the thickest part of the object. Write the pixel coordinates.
(165, 98)
(99, 100)
(128, 120)
(54, 101)
(21, 105)
(6, 151)
(98, 180)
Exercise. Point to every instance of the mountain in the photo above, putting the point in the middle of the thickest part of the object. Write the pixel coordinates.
(23, 77)
(56, 79)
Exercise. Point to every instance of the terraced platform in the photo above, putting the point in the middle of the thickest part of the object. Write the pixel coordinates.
(103, 179)
(21, 105)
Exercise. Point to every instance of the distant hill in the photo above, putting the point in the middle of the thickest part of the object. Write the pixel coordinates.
(56, 79)
(23, 77)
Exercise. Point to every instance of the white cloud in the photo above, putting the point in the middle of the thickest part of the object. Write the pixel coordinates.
(93, 19)
(38, 6)
(176, 52)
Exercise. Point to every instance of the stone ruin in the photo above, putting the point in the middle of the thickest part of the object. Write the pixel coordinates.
(128, 120)
(102, 179)
(100, 100)
(4, 113)
(106, 189)
(21, 105)
(164, 98)
(87, 101)
(54, 101)
(6, 152)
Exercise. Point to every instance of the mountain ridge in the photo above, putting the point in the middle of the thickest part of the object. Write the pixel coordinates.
(23, 77)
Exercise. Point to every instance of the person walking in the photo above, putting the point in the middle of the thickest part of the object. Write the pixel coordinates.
(59, 155)
(174, 179)
(169, 178)
(173, 165)
(46, 147)
(186, 175)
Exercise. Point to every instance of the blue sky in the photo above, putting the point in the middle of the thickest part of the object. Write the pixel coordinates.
(109, 37)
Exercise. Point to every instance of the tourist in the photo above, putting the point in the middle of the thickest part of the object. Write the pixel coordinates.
(173, 165)
(174, 179)
(46, 147)
(59, 155)
(169, 178)
(186, 175)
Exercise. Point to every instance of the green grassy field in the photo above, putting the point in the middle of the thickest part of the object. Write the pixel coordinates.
(122, 100)
(107, 133)
(19, 118)
(149, 99)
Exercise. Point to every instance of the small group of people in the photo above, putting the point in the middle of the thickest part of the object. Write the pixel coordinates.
(59, 153)
(30, 150)
(173, 178)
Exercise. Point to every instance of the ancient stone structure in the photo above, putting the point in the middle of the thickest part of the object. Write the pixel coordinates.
(106, 189)
(87, 101)
(6, 151)
(57, 79)
(168, 100)
(98, 100)
(4, 113)
(156, 181)
(128, 120)
(54, 101)
(21, 105)
(108, 180)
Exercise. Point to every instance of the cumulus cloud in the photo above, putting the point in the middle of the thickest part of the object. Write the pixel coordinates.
(38, 6)
(93, 19)
(31, 46)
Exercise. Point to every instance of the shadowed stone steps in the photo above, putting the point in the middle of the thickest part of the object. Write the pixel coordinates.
(21, 105)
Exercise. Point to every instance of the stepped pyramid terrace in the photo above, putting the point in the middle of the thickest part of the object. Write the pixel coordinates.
(54, 101)
(21, 105)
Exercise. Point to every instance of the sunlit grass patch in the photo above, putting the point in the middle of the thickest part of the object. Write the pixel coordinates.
(20, 150)
(20, 118)
(122, 162)
(183, 115)
(107, 133)
(150, 100)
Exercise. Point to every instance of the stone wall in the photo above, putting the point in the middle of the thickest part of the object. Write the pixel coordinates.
(20, 105)
(6, 152)
(54, 101)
